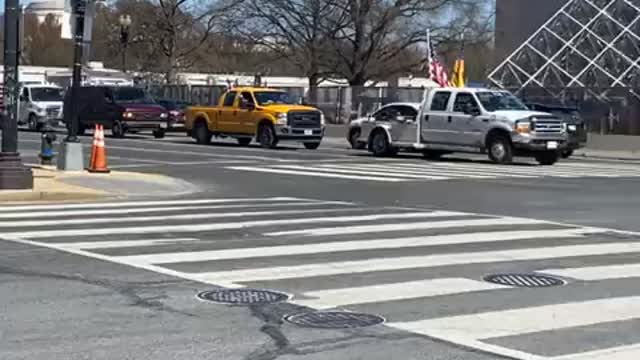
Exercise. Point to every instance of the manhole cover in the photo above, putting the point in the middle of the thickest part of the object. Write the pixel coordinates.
(334, 320)
(243, 296)
(524, 280)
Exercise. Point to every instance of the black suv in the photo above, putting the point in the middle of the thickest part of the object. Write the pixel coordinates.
(576, 127)
(119, 108)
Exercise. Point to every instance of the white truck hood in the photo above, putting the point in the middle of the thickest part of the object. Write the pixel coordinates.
(514, 115)
(45, 104)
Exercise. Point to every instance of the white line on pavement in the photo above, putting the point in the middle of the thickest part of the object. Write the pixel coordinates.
(595, 273)
(417, 262)
(122, 243)
(630, 352)
(317, 174)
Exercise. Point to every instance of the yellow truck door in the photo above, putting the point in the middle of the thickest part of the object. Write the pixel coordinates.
(246, 113)
(226, 116)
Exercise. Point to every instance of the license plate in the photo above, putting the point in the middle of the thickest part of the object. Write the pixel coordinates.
(552, 145)
(308, 132)
(163, 126)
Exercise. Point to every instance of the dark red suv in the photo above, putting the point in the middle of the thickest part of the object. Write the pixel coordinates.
(123, 109)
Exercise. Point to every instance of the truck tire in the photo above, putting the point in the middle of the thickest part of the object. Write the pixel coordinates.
(267, 136)
(500, 149)
(158, 134)
(380, 144)
(312, 145)
(354, 135)
(567, 154)
(32, 123)
(117, 130)
(244, 141)
(547, 158)
(201, 133)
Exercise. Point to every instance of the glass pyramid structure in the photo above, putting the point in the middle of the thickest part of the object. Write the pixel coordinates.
(588, 44)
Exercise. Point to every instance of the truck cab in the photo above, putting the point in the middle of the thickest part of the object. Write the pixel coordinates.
(475, 120)
(267, 115)
(40, 105)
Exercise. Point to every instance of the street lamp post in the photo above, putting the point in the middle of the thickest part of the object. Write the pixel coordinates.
(125, 22)
(13, 174)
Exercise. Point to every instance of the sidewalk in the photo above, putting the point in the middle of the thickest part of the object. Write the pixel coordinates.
(53, 185)
(606, 154)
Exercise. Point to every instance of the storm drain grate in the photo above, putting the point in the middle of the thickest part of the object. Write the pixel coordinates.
(334, 320)
(524, 280)
(243, 296)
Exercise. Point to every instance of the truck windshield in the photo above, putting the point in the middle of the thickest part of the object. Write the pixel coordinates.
(46, 94)
(265, 98)
(500, 100)
(130, 95)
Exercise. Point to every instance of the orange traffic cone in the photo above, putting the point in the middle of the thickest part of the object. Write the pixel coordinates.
(98, 163)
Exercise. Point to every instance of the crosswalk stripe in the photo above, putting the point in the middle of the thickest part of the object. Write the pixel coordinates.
(526, 320)
(311, 173)
(594, 273)
(416, 262)
(130, 219)
(290, 250)
(337, 170)
(496, 172)
(48, 214)
(104, 205)
(397, 171)
(327, 299)
(630, 352)
(122, 243)
(529, 171)
(349, 230)
(212, 227)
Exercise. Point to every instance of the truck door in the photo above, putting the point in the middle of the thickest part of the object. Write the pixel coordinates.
(466, 123)
(226, 116)
(435, 119)
(404, 123)
(246, 120)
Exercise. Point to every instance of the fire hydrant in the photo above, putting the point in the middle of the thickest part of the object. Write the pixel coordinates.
(48, 139)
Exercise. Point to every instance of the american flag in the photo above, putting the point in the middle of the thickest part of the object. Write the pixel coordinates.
(437, 72)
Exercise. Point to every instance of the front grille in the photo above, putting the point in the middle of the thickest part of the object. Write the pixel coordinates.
(147, 116)
(304, 119)
(548, 125)
(53, 111)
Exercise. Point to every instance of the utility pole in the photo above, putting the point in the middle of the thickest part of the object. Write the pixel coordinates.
(13, 174)
(71, 157)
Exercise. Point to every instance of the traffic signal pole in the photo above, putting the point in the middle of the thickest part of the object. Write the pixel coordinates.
(13, 174)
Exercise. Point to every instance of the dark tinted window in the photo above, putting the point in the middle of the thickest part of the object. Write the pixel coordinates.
(229, 98)
(129, 94)
(266, 98)
(247, 97)
(440, 101)
(408, 112)
(462, 99)
(387, 113)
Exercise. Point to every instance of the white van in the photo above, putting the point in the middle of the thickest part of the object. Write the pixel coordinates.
(40, 104)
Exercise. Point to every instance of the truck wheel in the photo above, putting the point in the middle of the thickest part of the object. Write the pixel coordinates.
(33, 123)
(267, 137)
(567, 154)
(202, 134)
(547, 158)
(158, 134)
(244, 141)
(117, 130)
(312, 146)
(380, 145)
(500, 149)
(354, 135)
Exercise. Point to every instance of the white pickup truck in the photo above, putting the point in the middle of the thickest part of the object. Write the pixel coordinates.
(451, 120)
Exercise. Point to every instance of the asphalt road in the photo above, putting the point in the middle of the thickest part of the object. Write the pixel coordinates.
(405, 239)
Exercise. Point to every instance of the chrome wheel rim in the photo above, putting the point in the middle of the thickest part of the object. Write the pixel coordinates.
(498, 150)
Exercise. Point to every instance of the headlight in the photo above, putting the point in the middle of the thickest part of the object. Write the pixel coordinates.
(281, 118)
(572, 128)
(322, 119)
(522, 127)
(128, 115)
(163, 115)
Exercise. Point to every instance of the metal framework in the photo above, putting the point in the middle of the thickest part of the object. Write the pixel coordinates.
(590, 44)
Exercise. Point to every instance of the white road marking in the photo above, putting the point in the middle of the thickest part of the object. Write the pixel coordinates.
(421, 171)
(336, 170)
(49, 214)
(122, 243)
(104, 205)
(496, 172)
(423, 241)
(630, 352)
(595, 273)
(206, 215)
(526, 320)
(309, 173)
(327, 299)
(210, 227)
(417, 262)
(348, 230)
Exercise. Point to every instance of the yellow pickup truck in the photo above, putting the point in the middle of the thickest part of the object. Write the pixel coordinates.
(266, 115)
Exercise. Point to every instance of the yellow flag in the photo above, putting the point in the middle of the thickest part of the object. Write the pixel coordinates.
(457, 76)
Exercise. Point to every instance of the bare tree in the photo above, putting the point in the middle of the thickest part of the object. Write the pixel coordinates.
(296, 31)
(42, 44)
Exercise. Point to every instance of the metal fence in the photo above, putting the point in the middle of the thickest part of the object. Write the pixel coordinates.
(605, 110)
